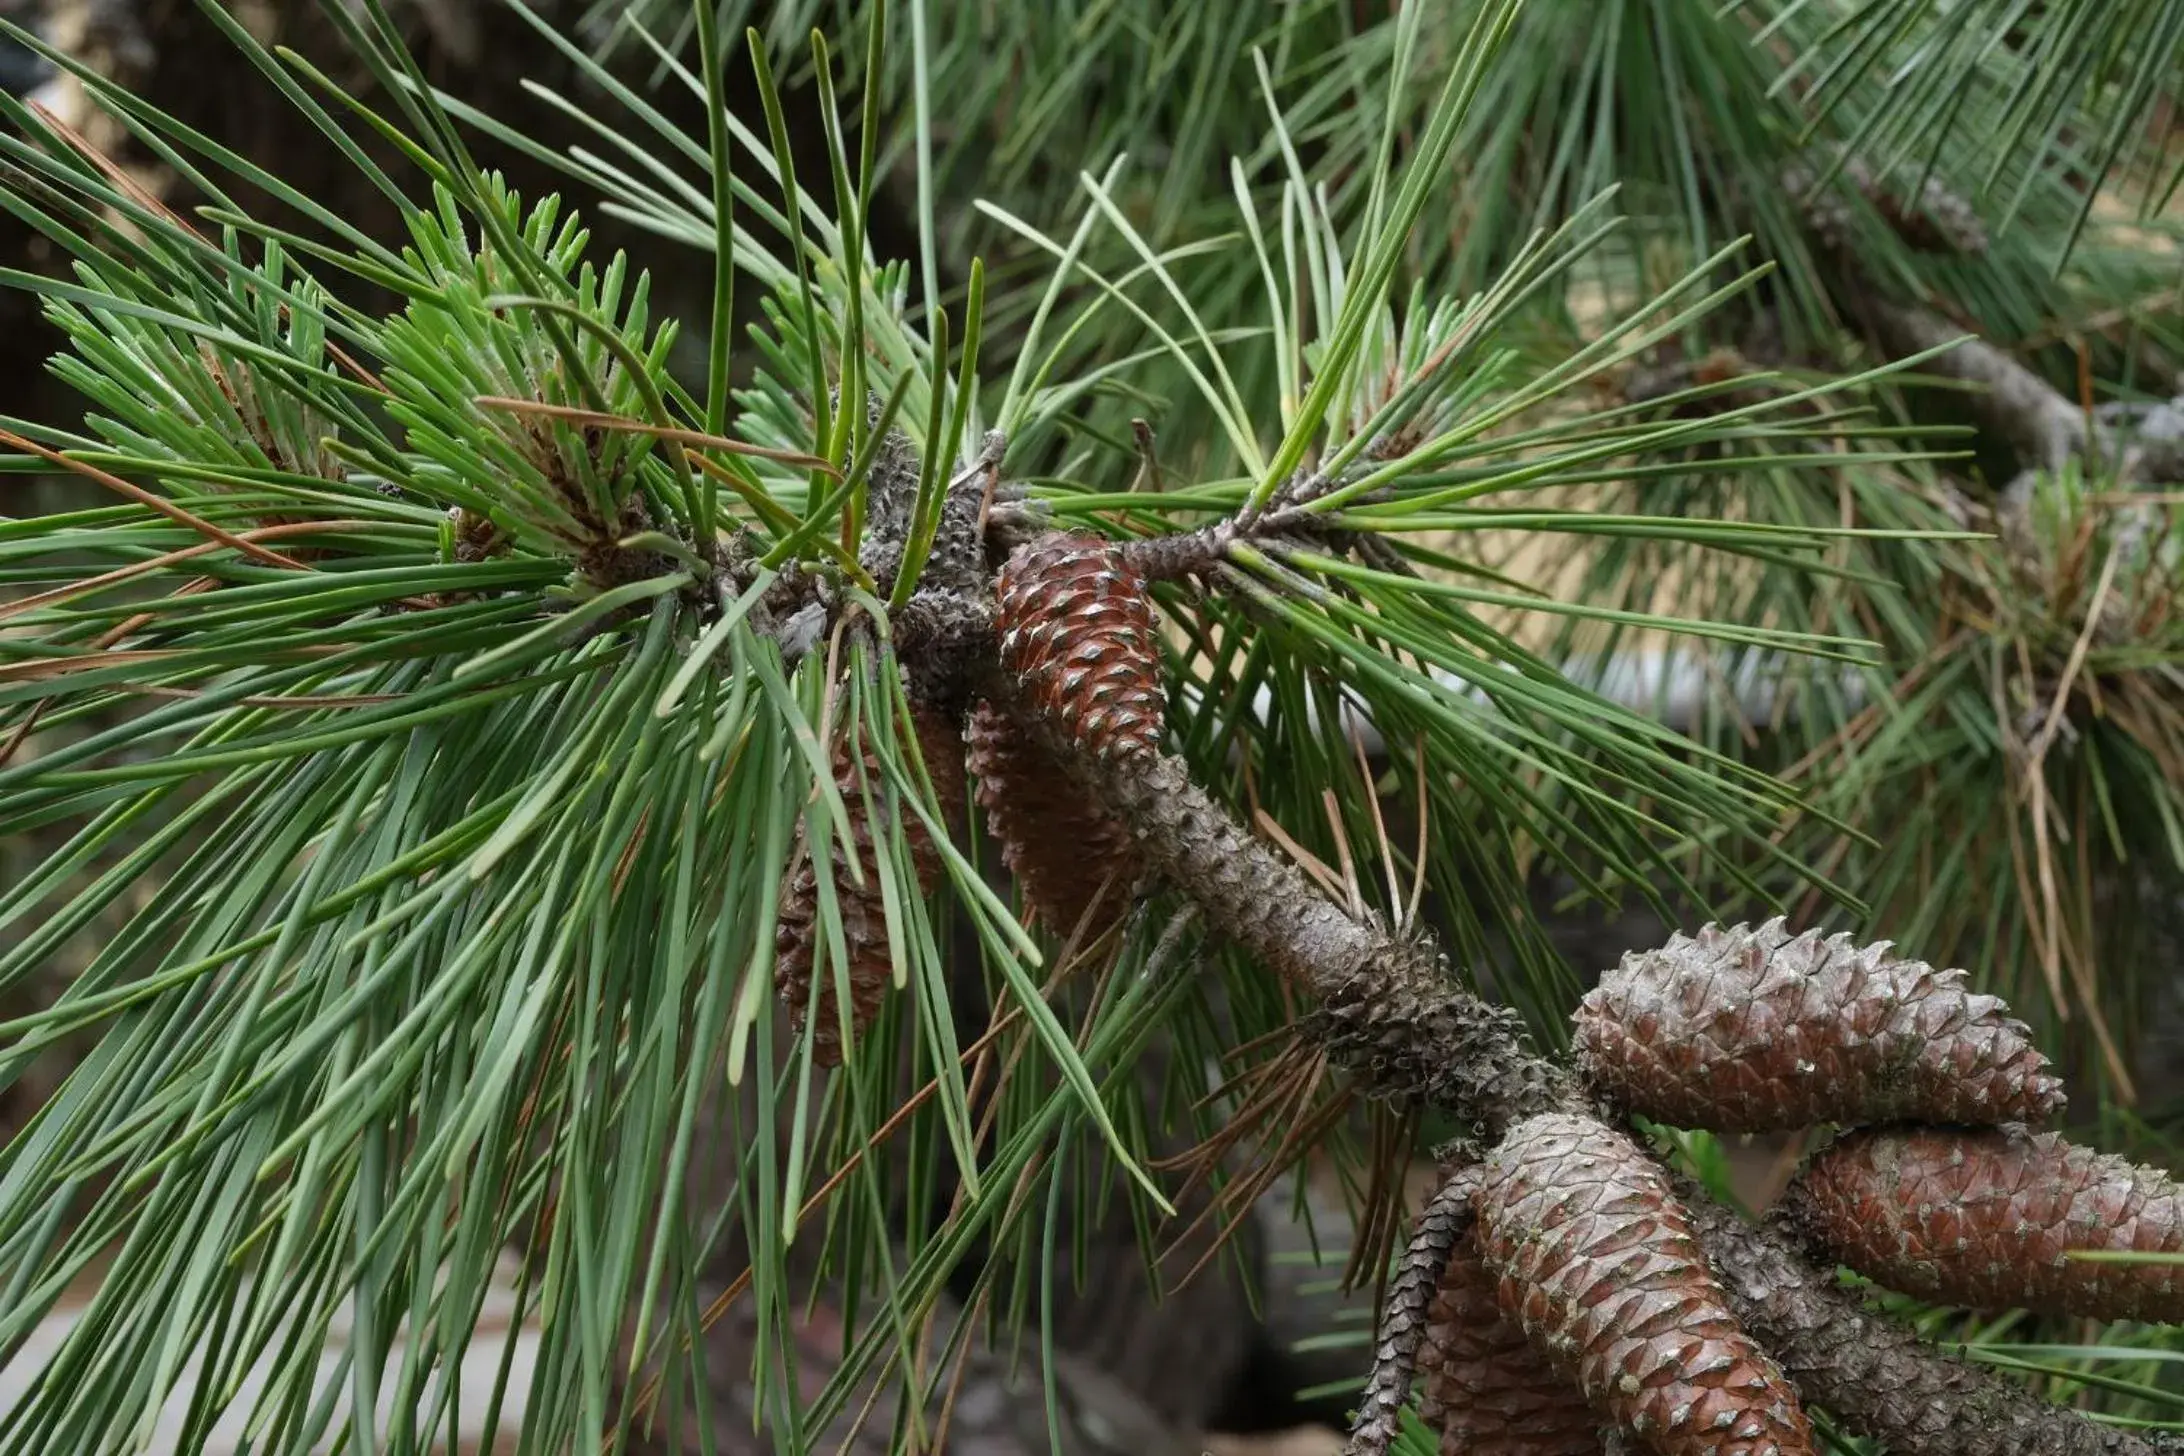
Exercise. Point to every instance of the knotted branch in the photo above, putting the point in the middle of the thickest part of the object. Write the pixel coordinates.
(1389, 1007)
(2043, 428)
(1879, 1378)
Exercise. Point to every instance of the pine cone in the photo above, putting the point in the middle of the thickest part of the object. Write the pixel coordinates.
(1077, 630)
(1487, 1391)
(864, 917)
(1753, 1031)
(1597, 1261)
(1066, 852)
(1983, 1219)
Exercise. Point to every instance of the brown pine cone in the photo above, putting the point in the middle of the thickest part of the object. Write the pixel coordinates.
(1983, 1219)
(1747, 1030)
(1066, 852)
(1597, 1262)
(1077, 631)
(1487, 1391)
(864, 916)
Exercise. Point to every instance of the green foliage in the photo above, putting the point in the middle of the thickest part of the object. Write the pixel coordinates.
(436, 673)
(2040, 87)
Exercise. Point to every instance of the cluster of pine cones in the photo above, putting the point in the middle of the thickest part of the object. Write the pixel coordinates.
(1075, 627)
(1580, 1274)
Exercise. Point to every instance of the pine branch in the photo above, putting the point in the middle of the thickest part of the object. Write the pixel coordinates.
(2011, 401)
(638, 836)
(1169, 558)
(1882, 1380)
(1389, 1008)
(2044, 429)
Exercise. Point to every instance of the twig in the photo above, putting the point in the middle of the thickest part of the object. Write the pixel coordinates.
(2043, 429)
(2040, 425)
(1189, 553)
(1390, 1009)
(1403, 1323)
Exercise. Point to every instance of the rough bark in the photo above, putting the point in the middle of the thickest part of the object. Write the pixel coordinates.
(1878, 1378)
(1390, 1008)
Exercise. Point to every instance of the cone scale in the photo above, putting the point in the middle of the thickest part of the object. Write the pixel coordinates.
(1074, 863)
(864, 915)
(1078, 634)
(1486, 1390)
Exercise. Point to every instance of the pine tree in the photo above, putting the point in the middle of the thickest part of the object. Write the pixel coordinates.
(1345, 466)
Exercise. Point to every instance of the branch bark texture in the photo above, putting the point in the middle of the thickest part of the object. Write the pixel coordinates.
(1390, 1009)
(1881, 1380)
(2041, 427)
